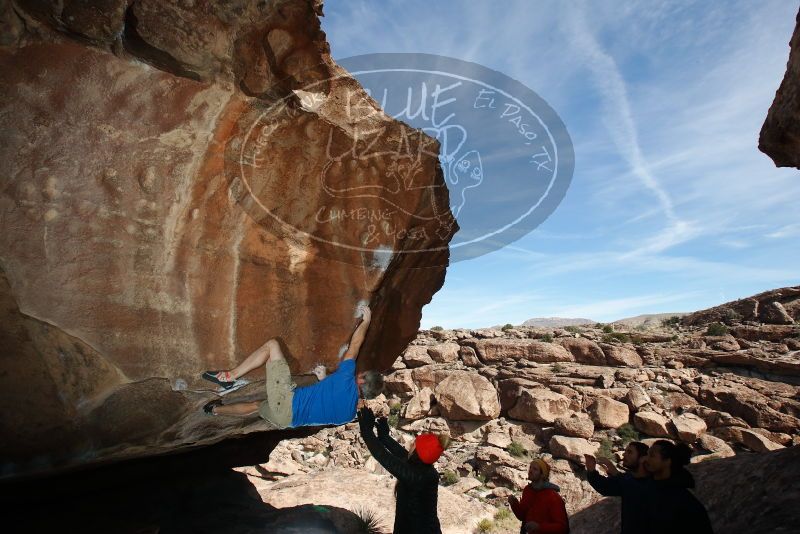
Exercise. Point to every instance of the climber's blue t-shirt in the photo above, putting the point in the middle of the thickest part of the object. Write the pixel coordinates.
(329, 402)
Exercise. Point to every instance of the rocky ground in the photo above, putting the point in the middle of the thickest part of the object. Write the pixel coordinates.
(506, 395)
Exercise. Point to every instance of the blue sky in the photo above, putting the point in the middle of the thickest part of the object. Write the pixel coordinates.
(671, 207)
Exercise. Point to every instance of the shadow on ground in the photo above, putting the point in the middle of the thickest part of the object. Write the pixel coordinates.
(194, 492)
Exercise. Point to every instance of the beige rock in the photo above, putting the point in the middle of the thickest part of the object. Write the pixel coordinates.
(469, 357)
(637, 397)
(584, 350)
(578, 426)
(464, 484)
(444, 352)
(399, 382)
(465, 395)
(621, 355)
(417, 356)
(688, 427)
(652, 424)
(716, 447)
(419, 405)
(496, 350)
(608, 413)
(758, 443)
(540, 406)
(572, 449)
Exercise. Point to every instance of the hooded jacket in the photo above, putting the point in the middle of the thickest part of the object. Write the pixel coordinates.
(417, 485)
(543, 504)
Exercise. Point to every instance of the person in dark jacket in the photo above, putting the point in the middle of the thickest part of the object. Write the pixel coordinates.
(629, 485)
(669, 504)
(417, 489)
(541, 508)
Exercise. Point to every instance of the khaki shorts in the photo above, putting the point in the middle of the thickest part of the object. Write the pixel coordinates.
(277, 409)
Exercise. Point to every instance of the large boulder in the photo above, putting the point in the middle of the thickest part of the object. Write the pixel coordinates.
(444, 352)
(467, 396)
(496, 350)
(609, 413)
(416, 356)
(688, 427)
(174, 194)
(419, 406)
(539, 405)
(572, 449)
(577, 426)
(620, 355)
(652, 424)
(584, 350)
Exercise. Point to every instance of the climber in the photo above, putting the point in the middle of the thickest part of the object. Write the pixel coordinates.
(331, 401)
(541, 509)
(628, 485)
(669, 505)
(416, 492)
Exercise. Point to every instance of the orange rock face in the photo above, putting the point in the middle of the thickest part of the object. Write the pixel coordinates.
(178, 186)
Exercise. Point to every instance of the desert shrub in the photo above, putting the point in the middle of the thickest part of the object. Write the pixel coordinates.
(619, 337)
(507, 326)
(574, 329)
(606, 449)
(449, 477)
(393, 420)
(437, 328)
(516, 449)
(671, 322)
(729, 316)
(394, 408)
(547, 338)
(502, 514)
(716, 329)
(637, 340)
(369, 522)
(485, 525)
(557, 367)
(628, 433)
(481, 478)
(607, 328)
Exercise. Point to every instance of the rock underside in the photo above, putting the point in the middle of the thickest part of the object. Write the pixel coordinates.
(182, 181)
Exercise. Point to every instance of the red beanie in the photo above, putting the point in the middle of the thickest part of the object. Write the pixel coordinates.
(428, 448)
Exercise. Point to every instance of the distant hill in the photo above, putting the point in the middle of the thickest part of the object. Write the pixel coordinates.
(556, 322)
(647, 320)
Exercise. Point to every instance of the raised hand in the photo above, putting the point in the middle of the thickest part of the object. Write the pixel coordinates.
(382, 424)
(366, 420)
(364, 311)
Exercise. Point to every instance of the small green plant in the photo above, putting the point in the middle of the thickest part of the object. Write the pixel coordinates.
(730, 316)
(598, 325)
(637, 340)
(557, 368)
(393, 420)
(485, 525)
(716, 329)
(481, 478)
(449, 477)
(547, 338)
(674, 338)
(620, 337)
(507, 326)
(437, 328)
(606, 449)
(608, 328)
(394, 408)
(672, 322)
(628, 433)
(574, 329)
(502, 514)
(516, 449)
(369, 522)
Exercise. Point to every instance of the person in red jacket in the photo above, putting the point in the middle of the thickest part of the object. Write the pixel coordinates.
(541, 508)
